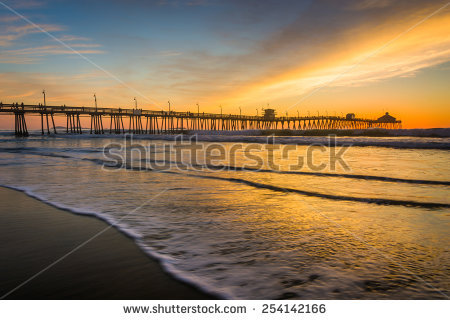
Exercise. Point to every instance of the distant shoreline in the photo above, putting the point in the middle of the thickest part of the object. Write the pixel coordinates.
(373, 132)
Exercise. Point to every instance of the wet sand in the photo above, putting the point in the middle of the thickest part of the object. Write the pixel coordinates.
(33, 235)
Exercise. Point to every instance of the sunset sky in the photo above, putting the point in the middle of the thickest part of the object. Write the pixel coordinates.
(332, 57)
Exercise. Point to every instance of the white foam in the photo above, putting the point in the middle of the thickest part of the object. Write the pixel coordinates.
(197, 229)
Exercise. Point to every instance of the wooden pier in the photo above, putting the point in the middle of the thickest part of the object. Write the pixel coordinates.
(156, 122)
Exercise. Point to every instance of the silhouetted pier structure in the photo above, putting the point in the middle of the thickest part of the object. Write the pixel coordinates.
(154, 122)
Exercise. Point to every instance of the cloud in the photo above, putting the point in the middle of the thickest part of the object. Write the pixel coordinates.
(8, 59)
(41, 51)
(369, 4)
(169, 53)
(21, 95)
(322, 42)
(63, 88)
(84, 45)
(69, 38)
(11, 33)
(25, 29)
(24, 4)
(6, 19)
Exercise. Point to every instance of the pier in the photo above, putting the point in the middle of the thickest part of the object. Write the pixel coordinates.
(139, 121)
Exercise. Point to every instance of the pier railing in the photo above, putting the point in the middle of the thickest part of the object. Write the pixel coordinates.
(174, 121)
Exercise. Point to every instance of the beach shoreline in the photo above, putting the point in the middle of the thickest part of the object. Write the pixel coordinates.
(46, 255)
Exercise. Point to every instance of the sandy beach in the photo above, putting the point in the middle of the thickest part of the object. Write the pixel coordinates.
(34, 235)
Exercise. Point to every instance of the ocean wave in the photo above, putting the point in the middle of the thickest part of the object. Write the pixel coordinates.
(399, 139)
(46, 153)
(378, 201)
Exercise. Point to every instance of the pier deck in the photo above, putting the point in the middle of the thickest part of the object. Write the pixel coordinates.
(152, 122)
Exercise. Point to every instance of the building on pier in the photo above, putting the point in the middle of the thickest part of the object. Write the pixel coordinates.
(350, 116)
(387, 118)
(269, 114)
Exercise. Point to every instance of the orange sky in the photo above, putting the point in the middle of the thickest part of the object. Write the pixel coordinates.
(365, 57)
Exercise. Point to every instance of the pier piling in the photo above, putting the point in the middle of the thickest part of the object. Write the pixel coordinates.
(157, 122)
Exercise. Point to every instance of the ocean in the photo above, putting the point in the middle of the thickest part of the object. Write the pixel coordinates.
(251, 218)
